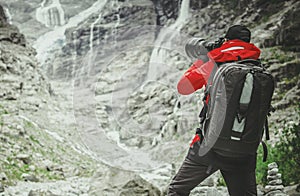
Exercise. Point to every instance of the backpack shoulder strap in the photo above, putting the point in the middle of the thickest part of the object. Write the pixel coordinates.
(204, 109)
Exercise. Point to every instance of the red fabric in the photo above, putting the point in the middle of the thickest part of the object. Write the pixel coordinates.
(195, 139)
(197, 75)
(227, 51)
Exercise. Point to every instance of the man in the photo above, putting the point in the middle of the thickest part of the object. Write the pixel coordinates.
(238, 171)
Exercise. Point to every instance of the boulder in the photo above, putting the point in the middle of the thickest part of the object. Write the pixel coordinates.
(116, 181)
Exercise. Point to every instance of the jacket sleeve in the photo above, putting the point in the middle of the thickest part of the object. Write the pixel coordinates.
(195, 77)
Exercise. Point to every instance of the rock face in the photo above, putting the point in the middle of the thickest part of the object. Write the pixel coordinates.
(98, 30)
(25, 96)
(155, 114)
(33, 150)
(133, 114)
(165, 10)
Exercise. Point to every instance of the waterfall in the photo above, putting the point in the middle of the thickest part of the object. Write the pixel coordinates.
(163, 42)
(8, 15)
(52, 15)
(56, 37)
(92, 31)
(115, 6)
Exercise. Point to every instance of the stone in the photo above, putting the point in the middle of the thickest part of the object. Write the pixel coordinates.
(3, 176)
(116, 181)
(41, 193)
(292, 190)
(273, 171)
(1, 188)
(269, 188)
(24, 157)
(275, 182)
(272, 165)
(276, 193)
(29, 177)
(48, 165)
(32, 168)
(21, 130)
(274, 177)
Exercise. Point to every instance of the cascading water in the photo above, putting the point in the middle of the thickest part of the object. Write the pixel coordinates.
(51, 15)
(56, 38)
(8, 15)
(163, 42)
(92, 32)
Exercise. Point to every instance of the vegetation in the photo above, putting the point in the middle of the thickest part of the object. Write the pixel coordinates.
(286, 153)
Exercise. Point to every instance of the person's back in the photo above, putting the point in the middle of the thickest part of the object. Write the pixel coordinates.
(238, 170)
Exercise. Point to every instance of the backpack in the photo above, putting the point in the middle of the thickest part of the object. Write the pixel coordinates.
(239, 100)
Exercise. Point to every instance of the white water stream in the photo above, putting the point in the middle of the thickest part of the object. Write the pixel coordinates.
(56, 38)
(8, 15)
(52, 15)
(97, 142)
(163, 43)
(92, 32)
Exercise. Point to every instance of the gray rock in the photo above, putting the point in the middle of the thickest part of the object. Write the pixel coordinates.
(274, 177)
(41, 193)
(276, 193)
(120, 182)
(24, 157)
(292, 190)
(32, 168)
(29, 177)
(272, 165)
(1, 188)
(275, 182)
(273, 171)
(3, 176)
(209, 191)
(269, 188)
(213, 192)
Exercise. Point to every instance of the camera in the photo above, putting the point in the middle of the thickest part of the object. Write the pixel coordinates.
(199, 47)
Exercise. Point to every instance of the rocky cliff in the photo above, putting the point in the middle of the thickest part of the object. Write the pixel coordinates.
(29, 151)
(111, 98)
(39, 156)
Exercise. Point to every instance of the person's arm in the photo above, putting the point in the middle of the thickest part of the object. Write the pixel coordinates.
(195, 77)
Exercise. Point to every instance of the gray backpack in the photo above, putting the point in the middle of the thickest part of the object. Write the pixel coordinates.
(239, 100)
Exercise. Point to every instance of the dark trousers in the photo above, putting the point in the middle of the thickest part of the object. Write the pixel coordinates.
(238, 173)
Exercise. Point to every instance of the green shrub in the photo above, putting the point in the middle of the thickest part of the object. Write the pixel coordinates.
(262, 167)
(286, 153)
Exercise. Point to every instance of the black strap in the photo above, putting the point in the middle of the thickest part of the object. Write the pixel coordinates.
(203, 112)
(267, 129)
(265, 149)
(256, 62)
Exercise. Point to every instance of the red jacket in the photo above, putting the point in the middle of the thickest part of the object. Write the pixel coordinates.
(197, 75)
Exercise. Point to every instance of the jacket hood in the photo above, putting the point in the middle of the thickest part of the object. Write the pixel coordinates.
(234, 50)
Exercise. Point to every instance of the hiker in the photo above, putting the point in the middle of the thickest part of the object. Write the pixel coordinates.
(238, 170)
